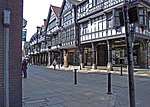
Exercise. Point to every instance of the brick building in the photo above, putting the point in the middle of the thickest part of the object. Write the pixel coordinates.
(11, 91)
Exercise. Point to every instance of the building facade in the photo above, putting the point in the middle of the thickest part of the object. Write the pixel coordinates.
(90, 33)
(103, 38)
(10, 53)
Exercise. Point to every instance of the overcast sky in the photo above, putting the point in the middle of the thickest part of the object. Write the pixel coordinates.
(35, 11)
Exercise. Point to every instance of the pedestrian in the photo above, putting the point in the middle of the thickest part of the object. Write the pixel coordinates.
(24, 68)
(54, 63)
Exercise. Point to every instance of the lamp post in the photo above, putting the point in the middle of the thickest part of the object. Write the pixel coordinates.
(130, 57)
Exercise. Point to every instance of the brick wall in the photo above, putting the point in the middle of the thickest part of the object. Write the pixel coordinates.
(15, 86)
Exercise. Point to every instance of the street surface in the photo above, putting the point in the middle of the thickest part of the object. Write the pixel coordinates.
(45, 87)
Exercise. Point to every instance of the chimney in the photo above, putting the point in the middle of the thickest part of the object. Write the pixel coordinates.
(45, 21)
(38, 28)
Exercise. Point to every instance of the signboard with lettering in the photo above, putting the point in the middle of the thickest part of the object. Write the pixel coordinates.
(24, 33)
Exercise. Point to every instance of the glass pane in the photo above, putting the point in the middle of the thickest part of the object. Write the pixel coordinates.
(109, 32)
(89, 36)
(141, 12)
(104, 24)
(113, 32)
(100, 34)
(96, 35)
(100, 25)
(141, 21)
(104, 33)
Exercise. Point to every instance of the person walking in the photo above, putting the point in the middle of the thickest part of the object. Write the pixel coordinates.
(24, 68)
(54, 63)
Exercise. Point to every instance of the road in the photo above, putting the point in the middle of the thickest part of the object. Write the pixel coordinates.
(97, 81)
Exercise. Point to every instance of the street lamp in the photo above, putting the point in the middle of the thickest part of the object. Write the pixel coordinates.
(129, 54)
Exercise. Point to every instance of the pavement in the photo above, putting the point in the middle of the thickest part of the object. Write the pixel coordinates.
(46, 87)
(137, 71)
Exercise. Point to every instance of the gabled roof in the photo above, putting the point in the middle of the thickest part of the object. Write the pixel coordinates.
(56, 11)
(73, 2)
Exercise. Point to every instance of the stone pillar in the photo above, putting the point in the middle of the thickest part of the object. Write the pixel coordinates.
(40, 56)
(109, 48)
(144, 53)
(61, 57)
(32, 59)
(45, 59)
(49, 58)
(81, 57)
(65, 58)
(38, 59)
(35, 59)
(94, 65)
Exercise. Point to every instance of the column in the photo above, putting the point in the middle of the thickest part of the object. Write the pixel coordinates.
(65, 58)
(45, 59)
(81, 57)
(33, 59)
(40, 56)
(109, 48)
(61, 58)
(49, 58)
(41, 59)
(144, 53)
(94, 65)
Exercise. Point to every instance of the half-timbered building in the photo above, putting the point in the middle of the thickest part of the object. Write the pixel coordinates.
(92, 33)
(102, 37)
(37, 51)
(52, 35)
(69, 33)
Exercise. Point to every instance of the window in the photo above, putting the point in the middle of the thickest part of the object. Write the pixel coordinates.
(52, 25)
(67, 17)
(99, 1)
(63, 37)
(142, 16)
(100, 25)
(67, 35)
(104, 24)
(72, 34)
(94, 25)
(85, 28)
(109, 20)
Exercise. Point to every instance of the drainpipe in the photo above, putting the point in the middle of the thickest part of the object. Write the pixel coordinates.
(6, 23)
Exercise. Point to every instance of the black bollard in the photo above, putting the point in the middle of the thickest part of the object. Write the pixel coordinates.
(109, 83)
(121, 71)
(75, 76)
